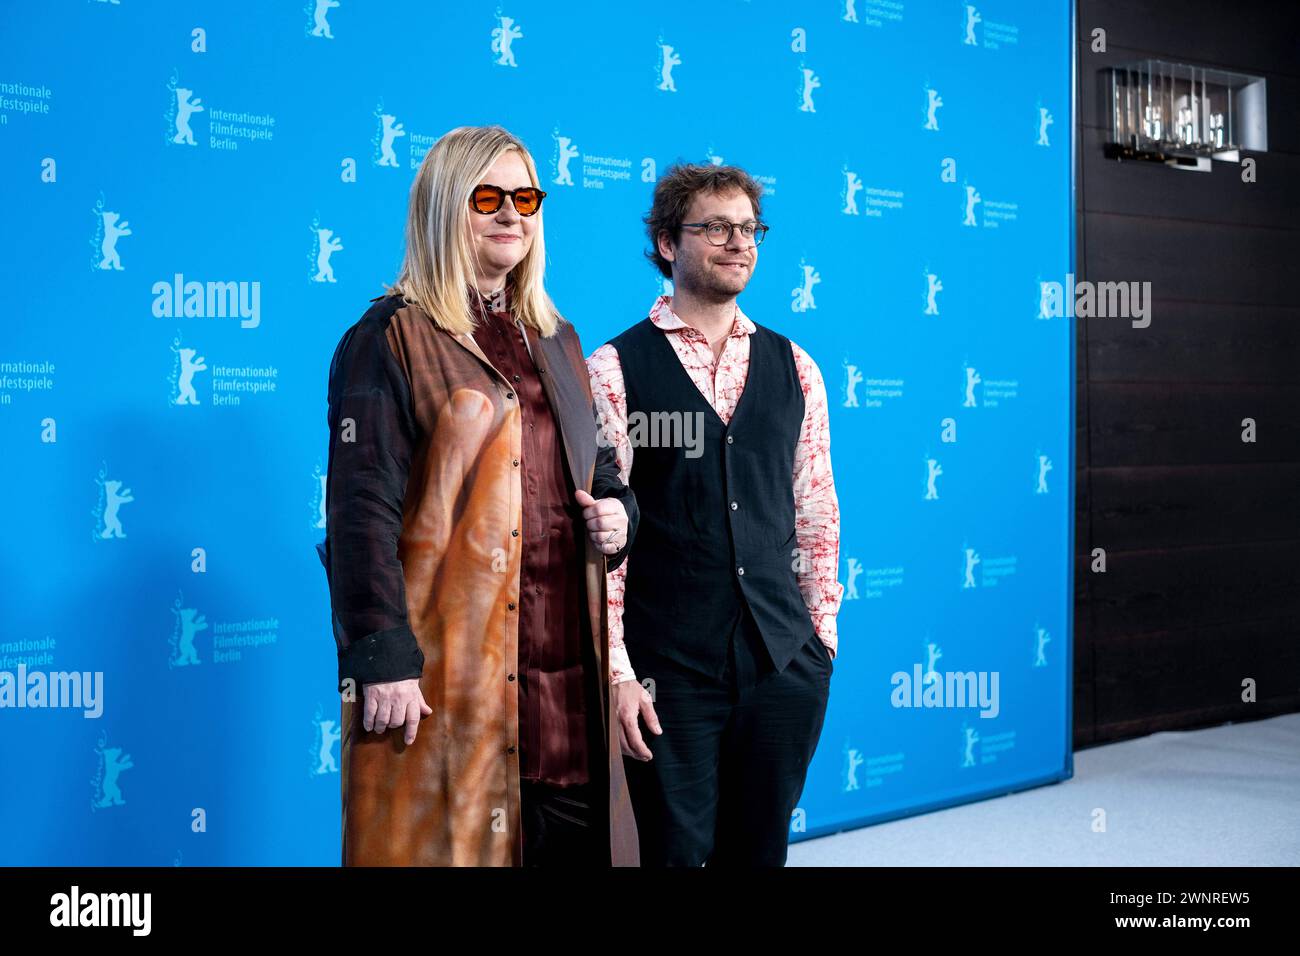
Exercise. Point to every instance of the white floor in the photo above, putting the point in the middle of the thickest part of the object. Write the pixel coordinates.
(1227, 796)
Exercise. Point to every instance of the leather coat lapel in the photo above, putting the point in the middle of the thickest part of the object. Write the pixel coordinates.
(569, 403)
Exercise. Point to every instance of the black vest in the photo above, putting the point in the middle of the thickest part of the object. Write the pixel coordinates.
(716, 532)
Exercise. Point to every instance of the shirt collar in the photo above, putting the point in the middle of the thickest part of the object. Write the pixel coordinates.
(483, 304)
(662, 315)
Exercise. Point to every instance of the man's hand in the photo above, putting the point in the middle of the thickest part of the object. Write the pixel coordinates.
(606, 521)
(394, 703)
(633, 700)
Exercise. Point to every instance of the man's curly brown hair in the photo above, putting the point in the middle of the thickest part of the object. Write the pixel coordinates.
(674, 192)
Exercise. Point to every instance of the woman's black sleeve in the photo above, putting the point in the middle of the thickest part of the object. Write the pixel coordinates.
(372, 434)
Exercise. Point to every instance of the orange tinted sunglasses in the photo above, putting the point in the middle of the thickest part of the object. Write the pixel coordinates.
(487, 199)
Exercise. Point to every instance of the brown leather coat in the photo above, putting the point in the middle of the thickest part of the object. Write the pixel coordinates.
(452, 797)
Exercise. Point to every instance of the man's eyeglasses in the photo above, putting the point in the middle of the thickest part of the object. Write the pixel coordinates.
(487, 199)
(718, 231)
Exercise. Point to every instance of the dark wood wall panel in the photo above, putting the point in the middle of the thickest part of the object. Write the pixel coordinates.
(1196, 425)
(1193, 261)
(1250, 35)
(1168, 589)
(1185, 678)
(1183, 507)
(1209, 343)
(1201, 530)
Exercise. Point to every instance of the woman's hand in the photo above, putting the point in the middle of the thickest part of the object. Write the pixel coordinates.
(391, 704)
(606, 521)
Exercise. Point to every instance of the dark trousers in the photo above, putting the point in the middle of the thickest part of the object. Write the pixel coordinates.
(729, 768)
(560, 828)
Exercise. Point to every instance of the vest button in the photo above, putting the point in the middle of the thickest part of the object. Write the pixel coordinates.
(734, 506)
(740, 570)
(730, 440)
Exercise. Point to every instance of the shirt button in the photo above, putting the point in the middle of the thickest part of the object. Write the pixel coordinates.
(510, 606)
(734, 506)
(515, 462)
(509, 395)
(514, 532)
(510, 677)
(730, 440)
(738, 571)
(510, 750)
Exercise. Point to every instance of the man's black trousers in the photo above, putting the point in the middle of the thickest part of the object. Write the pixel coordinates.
(729, 768)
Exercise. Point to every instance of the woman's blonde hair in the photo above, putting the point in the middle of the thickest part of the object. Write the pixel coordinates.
(438, 269)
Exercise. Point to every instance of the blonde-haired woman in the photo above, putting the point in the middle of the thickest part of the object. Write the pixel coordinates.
(471, 518)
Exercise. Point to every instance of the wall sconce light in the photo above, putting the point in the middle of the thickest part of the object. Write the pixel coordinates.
(1185, 115)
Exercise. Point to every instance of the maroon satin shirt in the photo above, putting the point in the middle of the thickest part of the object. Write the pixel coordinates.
(553, 744)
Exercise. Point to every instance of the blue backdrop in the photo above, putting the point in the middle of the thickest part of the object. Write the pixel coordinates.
(201, 197)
